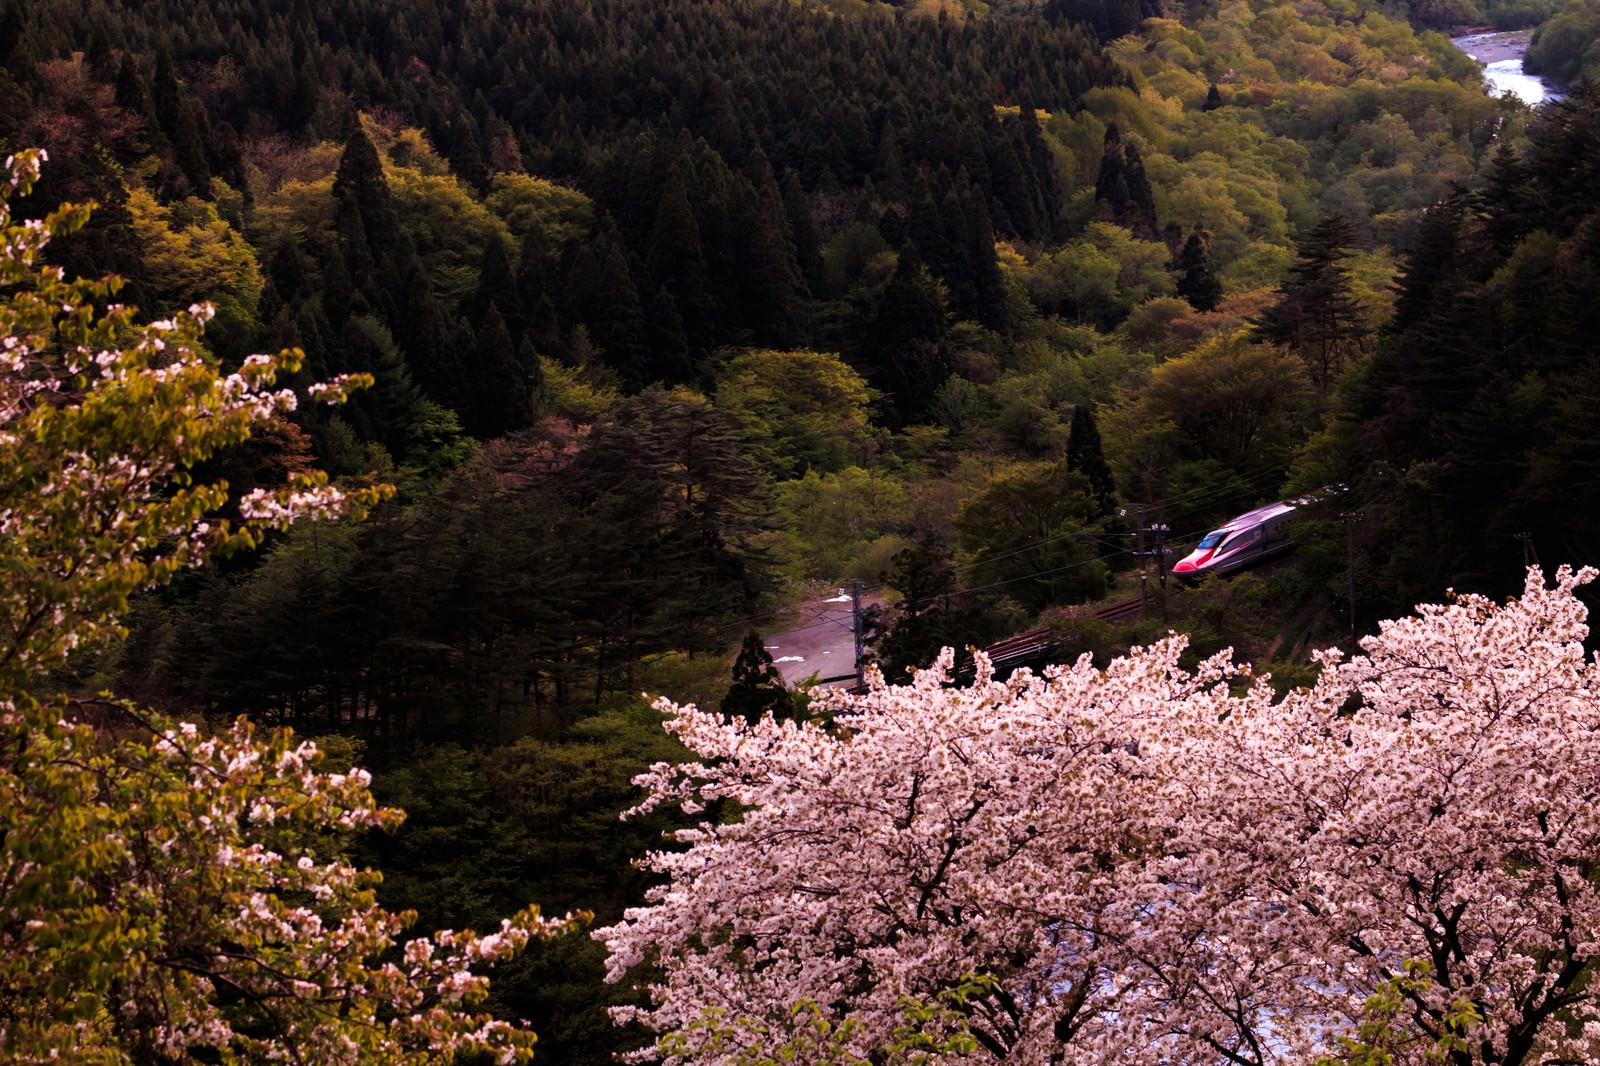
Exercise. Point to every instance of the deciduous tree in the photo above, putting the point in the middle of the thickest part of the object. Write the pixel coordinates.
(165, 894)
(1148, 863)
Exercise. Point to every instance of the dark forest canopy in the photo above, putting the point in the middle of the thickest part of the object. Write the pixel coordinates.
(689, 125)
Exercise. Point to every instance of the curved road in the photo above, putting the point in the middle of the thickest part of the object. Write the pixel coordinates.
(823, 643)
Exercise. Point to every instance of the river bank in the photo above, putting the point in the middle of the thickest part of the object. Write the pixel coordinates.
(1500, 52)
(1494, 46)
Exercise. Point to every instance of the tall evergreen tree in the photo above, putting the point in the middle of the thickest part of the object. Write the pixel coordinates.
(189, 145)
(797, 210)
(993, 303)
(602, 294)
(676, 261)
(757, 686)
(1121, 190)
(1047, 178)
(386, 410)
(775, 300)
(498, 393)
(1085, 455)
(133, 94)
(900, 346)
(1197, 272)
(359, 186)
(1506, 197)
(166, 97)
(1316, 314)
(497, 287)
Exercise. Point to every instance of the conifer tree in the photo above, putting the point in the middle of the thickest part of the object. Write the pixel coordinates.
(536, 284)
(1316, 314)
(189, 145)
(359, 187)
(926, 229)
(13, 36)
(1085, 455)
(498, 394)
(165, 96)
(993, 305)
(1505, 197)
(466, 152)
(886, 170)
(497, 287)
(1046, 177)
(676, 261)
(383, 412)
(669, 341)
(424, 336)
(133, 94)
(1197, 278)
(1121, 190)
(899, 342)
(602, 294)
(774, 292)
(807, 250)
(757, 686)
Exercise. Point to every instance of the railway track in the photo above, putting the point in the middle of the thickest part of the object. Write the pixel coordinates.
(1023, 647)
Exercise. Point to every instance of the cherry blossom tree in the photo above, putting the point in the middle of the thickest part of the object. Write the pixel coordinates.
(168, 895)
(1153, 864)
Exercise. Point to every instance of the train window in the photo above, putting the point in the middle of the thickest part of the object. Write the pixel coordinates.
(1212, 539)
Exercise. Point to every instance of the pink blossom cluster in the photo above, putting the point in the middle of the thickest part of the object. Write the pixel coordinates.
(1150, 863)
(102, 421)
(168, 895)
(247, 933)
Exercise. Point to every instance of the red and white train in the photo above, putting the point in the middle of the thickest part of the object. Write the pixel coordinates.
(1244, 541)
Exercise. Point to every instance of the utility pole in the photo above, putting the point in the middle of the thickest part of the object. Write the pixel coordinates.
(1161, 529)
(855, 625)
(1139, 552)
(1350, 519)
(1530, 555)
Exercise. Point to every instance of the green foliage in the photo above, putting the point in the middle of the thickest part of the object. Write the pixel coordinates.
(524, 583)
(567, 392)
(1232, 409)
(1565, 47)
(191, 254)
(831, 520)
(1494, 326)
(931, 1032)
(1031, 532)
(523, 201)
(83, 528)
(1100, 277)
(1316, 315)
(1379, 1041)
(1198, 282)
(535, 818)
(1084, 455)
(168, 895)
(795, 411)
(933, 613)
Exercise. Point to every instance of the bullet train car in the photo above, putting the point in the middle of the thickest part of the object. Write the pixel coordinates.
(1244, 541)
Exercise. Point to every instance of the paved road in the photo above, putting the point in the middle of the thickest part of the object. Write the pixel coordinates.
(823, 643)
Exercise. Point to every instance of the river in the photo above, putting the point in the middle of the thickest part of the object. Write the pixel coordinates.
(1501, 56)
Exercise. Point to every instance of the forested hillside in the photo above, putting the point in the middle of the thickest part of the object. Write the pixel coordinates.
(673, 312)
